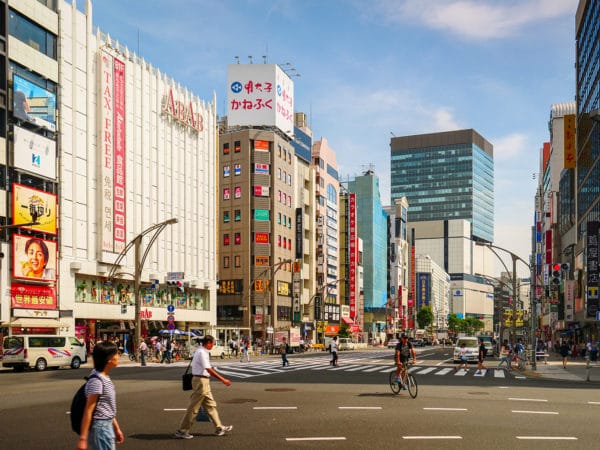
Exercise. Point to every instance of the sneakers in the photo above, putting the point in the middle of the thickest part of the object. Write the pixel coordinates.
(405, 387)
(398, 380)
(182, 435)
(224, 429)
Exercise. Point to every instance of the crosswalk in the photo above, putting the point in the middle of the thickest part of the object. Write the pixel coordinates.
(260, 368)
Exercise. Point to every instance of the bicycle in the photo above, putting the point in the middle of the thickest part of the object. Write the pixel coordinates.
(411, 383)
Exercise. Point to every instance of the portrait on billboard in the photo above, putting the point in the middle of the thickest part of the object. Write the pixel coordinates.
(34, 206)
(34, 258)
(34, 104)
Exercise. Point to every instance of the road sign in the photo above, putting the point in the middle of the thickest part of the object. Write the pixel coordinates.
(170, 318)
(171, 308)
(171, 326)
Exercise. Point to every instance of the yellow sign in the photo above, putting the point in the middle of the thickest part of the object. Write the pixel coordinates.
(569, 135)
(31, 205)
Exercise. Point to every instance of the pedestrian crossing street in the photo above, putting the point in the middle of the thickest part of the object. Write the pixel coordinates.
(261, 368)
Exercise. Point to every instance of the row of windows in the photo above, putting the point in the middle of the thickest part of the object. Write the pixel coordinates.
(237, 261)
(282, 175)
(284, 154)
(237, 215)
(237, 147)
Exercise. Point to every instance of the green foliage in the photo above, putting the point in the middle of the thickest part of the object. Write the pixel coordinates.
(425, 317)
(470, 325)
(344, 331)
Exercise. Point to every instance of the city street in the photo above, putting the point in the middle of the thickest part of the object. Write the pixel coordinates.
(313, 405)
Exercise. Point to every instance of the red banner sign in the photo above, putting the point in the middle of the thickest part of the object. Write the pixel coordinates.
(28, 296)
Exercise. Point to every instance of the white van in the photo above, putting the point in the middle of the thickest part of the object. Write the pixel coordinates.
(472, 346)
(41, 351)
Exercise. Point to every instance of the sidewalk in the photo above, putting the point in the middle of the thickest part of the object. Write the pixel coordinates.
(576, 370)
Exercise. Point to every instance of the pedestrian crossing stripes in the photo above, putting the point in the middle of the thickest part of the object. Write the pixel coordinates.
(256, 369)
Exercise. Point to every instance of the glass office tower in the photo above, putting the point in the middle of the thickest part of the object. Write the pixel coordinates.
(444, 176)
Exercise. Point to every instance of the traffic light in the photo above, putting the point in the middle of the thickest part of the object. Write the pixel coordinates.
(556, 274)
(180, 286)
(123, 308)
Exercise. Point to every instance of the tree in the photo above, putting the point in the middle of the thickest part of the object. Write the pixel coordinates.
(344, 331)
(425, 317)
(454, 323)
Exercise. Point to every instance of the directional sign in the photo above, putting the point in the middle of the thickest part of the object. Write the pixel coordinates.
(171, 308)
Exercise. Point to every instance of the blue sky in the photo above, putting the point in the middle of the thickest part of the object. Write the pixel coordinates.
(369, 68)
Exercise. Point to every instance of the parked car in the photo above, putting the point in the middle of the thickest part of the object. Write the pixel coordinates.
(42, 351)
(427, 341)
(345, 344)
(417, 343)
(472, 346)
(392, 343)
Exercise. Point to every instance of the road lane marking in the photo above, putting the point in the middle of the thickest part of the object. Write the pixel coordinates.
(535, 412)
(548, 438)
(275, 407)
(333, 438)
(593, 403)
(445, 409)
(175, 409)
(516, 399)
(431, 437)
(360, 407)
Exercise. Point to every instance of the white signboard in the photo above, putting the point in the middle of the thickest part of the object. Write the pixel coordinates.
(35, 153)
(260, 95)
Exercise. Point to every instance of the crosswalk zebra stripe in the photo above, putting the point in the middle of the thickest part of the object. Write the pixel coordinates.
(426, 370)
(376, 369)
(499, 373)
(461, 373)
(345, 367)
(444, 371)
(358, 368)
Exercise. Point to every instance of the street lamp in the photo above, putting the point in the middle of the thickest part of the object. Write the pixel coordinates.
(514, 258)
(139, 264)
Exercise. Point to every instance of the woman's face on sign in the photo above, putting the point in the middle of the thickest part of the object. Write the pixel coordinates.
(36, 259)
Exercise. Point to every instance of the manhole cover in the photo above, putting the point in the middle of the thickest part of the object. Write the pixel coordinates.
(280, 390)
(478, 393)
(240, 400)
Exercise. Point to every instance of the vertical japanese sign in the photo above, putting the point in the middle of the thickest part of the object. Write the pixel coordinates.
(112, 152)
(423, 289)
(592, 267)
(569, 136)
(353, 260)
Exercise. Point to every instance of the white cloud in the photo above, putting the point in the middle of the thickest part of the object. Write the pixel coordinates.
(510, 147)
(476, 19)
(444, 120)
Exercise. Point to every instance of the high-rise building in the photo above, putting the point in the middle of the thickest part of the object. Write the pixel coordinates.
(444, 176)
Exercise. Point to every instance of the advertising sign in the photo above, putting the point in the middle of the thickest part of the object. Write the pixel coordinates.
(262, 146)
(261, 261)
(569, 132)
(353, 262)
(283, 288)
(111, 146)
(29, 296)
(592, 267)
(260, 94)
(299, 233)
(31, 205)
(261, 214)
(261, 191)
(261, 238)
(423, 289)
(34, 258)
(262, 169)
(33, 103)
(34, 153)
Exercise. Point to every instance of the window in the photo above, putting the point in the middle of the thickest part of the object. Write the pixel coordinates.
(279, 196)
(31, 34)
(226, 262)
(279, 151)
(237, 238)
(237, 147)
(226, 148)
(226, 171)
(237, 215)
(237, 192)
(289, 244)
(279, 174)
(237, 261)
(289, 179)
(279, 218)
(226, 216)
(226, 194)
(225, 239)
(278, 240)
(237, 169)
(289, 222)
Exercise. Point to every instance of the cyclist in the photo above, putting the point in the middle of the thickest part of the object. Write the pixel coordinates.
(404, 350)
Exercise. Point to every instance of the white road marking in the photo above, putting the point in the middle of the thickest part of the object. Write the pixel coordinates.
(336, 438)
(444, 371)
(358, 368)
(377, 368)
(520, 377)
(593, 403)
(175, 409)
(502, 387)
(275, 407)
(360, 407)
(499, 373)
(344, 367)
(445, 409)
(481, 374)
(426, 370)
(516, 399)
(461, 373)
(548, 438)
(431, 437)
(535, 412)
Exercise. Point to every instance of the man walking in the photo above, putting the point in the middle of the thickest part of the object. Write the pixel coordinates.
(481, 357)
(143, 350)
(202, 394)
(334, 352)
(283, 349)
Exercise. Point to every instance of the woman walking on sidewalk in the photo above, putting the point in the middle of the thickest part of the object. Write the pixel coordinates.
(564, 352)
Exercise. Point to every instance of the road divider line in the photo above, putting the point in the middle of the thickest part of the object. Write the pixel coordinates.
(175, 409)
(535, 412)
(548, 438)
(593, 403)
(431, 437)
(516, 399)
(324, 438)
(275, 407)
(360, 407)
(445, 409)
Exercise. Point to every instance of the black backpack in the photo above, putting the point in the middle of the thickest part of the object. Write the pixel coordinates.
(78, 405)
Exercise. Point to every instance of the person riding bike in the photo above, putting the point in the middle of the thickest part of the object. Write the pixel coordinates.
(404, 350)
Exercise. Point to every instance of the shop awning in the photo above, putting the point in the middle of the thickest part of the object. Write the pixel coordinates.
(347, 320)
(26, 322)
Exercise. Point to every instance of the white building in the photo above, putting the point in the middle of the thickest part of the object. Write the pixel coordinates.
(136, 149)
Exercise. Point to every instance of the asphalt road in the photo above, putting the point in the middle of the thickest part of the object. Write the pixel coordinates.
(311, 405)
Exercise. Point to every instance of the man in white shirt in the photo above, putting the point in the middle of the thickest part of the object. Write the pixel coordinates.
(202, 394)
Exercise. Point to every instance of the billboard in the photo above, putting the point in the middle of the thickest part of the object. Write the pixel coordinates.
(353, 258)
(260, 95)
(34, 258)
(33, 103)
(32, 205)
(423, 289)
(28, 296)
(34, 153)
(111, 145)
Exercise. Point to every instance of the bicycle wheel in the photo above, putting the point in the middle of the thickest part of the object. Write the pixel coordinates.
(394, 385)
(412, 385)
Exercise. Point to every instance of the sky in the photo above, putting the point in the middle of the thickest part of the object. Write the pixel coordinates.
(371, 69)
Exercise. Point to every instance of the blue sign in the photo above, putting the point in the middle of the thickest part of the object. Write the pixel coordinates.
(171, 308)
